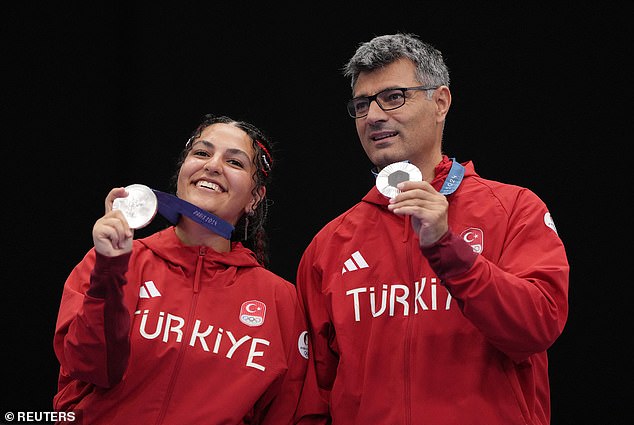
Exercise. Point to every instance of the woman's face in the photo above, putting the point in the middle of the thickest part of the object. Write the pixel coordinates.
(217, 174)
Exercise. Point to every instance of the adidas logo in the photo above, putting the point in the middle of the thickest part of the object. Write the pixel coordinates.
(354, 263)
(148, 290)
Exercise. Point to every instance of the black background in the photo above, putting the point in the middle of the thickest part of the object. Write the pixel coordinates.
(104, 94)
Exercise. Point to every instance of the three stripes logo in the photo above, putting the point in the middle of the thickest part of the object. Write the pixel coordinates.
(355, 262)
(148, 290)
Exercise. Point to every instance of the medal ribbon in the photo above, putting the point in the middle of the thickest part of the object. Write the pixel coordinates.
(170, 207)
(454, 178)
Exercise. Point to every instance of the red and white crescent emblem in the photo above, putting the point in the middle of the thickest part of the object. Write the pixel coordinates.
(474, 237)
(252, 313)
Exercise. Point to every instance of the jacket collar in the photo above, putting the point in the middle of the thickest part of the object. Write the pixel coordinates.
(169, 247)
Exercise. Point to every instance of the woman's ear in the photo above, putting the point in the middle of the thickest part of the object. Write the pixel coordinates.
(259, 196)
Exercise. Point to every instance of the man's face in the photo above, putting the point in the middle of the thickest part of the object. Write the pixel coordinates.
(412, 132)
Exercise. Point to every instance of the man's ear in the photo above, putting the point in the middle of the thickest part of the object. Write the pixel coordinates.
(442, 97)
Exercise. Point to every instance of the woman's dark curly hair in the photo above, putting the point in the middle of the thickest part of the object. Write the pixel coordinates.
(250, 228)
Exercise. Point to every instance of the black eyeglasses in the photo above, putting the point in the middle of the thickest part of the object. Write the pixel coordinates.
(387, 100)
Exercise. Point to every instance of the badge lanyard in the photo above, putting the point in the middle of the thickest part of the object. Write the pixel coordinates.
(170, 207)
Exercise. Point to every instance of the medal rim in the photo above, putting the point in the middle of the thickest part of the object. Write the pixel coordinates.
(149, 193)
(382, 179)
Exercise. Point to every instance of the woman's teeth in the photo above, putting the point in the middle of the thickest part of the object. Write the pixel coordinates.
(209, 185)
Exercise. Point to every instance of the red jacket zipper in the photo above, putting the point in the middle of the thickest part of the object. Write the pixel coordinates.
(183, 347)
(408, 330)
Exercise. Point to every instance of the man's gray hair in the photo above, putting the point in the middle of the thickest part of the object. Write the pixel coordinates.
(383, 50)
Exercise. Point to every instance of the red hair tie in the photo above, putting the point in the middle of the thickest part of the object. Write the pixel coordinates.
(267, 162)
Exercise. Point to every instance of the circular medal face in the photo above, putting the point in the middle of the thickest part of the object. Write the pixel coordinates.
(139, 207)
(393, 174)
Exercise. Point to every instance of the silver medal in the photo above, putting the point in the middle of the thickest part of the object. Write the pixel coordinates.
(393, 174)
(139, 207)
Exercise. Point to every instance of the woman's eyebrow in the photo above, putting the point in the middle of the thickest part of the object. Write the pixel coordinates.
(231, 151)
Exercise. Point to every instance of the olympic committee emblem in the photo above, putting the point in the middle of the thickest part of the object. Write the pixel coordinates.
(475, 238)
(252, 313)
(302, 344)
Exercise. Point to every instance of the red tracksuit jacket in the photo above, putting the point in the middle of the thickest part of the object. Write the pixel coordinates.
(453, 335)
(179, 335)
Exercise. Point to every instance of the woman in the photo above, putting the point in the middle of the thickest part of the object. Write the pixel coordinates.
(185, 326)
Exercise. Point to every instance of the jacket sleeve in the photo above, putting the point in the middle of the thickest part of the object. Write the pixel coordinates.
(91, 338)
(277, 406)
(313, 406)
(520, 303)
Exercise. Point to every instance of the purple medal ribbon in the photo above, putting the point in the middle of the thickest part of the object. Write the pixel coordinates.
(171, 207)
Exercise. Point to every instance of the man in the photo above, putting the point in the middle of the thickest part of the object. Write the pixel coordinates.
(435, 304)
